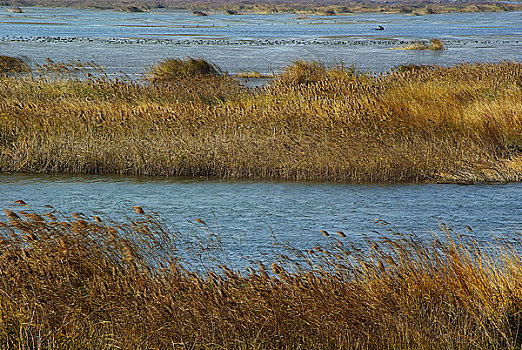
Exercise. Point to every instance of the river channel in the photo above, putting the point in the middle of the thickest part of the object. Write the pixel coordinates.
(250, 216)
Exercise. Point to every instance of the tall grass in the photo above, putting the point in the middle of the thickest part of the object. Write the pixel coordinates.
(81, 282)
(455, 124)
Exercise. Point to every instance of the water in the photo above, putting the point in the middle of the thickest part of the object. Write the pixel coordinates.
(130, 42)
(248, 214)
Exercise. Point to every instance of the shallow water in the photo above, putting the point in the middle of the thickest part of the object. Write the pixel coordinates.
(248, 214)
(130, 42)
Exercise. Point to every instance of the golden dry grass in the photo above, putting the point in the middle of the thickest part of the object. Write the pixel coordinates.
(457, 124)
(174, 69)
(434, 44)
(72, 282)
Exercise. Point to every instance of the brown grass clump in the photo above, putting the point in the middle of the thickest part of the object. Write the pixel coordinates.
(199, 13)
(15, 10)
(304, 72)
(445, 124)
(403, 68)
(434, 44)
(10, 65)
(69, 283)
(173, 69)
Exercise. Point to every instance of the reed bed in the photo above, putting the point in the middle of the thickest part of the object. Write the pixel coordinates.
(444, 124)
(86, 282)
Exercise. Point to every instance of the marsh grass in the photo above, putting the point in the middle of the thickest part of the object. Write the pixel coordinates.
(445, 124)
(11, 65)
(174, 69)
(434, 44)
(82, 282)
(306, 72)
(410, 68)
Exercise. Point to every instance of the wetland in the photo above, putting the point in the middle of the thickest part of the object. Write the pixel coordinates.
(360, 197)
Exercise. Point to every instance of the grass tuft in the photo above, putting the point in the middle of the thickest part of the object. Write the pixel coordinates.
(172, 69)
(434, 44)
(307, 72)
(410, 68)
(304, 72)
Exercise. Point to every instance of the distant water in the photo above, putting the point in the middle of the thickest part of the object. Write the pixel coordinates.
(128, 43)
(249, 214)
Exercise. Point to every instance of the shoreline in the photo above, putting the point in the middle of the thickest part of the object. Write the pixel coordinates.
(238, 8)
(458, 181)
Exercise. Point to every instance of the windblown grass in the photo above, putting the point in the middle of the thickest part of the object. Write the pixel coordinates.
(76, 282)
(456, 124)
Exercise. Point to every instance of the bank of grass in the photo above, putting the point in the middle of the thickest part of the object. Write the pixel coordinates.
(456, 124)
(82, 282)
